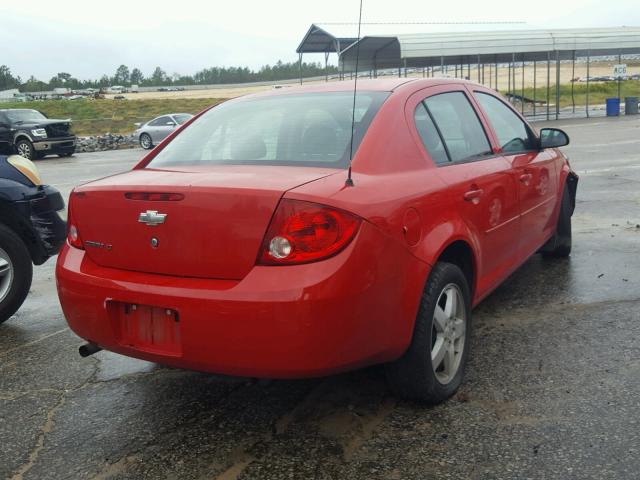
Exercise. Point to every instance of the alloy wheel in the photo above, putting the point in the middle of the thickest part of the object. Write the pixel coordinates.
(6, 274)
(448, 334)
(145, 141)
(24, 150)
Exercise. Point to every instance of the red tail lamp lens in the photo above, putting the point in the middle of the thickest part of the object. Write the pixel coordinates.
(73, 235)
(302, 232)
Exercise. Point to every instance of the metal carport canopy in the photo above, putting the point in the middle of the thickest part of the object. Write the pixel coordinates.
(428, 49)
(318, 40)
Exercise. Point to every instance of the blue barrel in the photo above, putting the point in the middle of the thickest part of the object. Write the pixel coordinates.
(613, 107)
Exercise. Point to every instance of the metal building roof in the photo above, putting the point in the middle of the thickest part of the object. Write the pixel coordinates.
(318, 40)
(426, 49)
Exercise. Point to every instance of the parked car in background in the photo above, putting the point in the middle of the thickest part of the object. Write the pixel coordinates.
(270, 238)
(32, 228)
(31, 134)
(156, 130)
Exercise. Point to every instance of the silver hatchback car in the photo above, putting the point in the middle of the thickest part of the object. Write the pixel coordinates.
(156, 130)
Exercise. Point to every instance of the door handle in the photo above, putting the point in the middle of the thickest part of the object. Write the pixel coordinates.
(473, 196)
(526, 178)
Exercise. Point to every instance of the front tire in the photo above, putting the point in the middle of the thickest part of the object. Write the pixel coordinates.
(559, 245)
(16, 272)
(145, 141)
(432, 368)
(25, 149)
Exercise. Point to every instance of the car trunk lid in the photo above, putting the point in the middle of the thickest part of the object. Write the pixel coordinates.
(211, 227)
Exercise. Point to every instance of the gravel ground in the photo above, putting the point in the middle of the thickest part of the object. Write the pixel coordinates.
(552, 390)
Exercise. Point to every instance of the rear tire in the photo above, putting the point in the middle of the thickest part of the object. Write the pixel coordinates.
(424, 373)
(16, 272)
(145, 141)
(559, 245)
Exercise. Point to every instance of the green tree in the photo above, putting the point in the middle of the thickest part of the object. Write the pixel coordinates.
(159, 76)
(136, 77)
(122, 75)
(7, 80)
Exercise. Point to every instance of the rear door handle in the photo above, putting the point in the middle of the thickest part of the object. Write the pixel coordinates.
(473, 195)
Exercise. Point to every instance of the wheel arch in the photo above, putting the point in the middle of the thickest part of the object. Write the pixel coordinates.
(460, 253)
(21, 136)
(23, 230)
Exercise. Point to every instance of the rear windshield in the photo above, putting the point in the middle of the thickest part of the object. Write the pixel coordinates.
(311, 129)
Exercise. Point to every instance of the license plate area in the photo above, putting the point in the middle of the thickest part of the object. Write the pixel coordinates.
(147, 328)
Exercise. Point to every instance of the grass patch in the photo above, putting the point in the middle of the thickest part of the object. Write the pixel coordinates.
(97, 117)
(598, 92)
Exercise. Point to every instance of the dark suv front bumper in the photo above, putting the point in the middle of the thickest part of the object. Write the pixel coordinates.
(55, 146)
(45, 231)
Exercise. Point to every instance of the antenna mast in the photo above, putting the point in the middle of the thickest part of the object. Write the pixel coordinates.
(349, 181)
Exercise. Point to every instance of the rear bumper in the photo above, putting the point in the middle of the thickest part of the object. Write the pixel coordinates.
(352, 310)
(56, 146)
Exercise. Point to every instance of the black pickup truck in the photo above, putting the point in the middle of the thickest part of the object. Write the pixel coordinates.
(32, 228)
(31, 134)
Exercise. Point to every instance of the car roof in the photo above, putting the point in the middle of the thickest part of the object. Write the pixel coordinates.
(369, 85)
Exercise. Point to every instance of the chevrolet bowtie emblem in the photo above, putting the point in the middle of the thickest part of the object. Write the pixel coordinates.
(152, 217)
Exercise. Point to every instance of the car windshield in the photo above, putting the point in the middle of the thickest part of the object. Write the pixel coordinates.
(24, 115)
(182, 117)
(312, 129)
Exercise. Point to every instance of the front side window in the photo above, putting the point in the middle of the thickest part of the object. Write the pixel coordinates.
(182, 118)
(459, 126)
(513, 134)
(312, 129)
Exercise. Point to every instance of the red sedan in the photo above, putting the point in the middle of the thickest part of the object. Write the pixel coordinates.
(245, 245)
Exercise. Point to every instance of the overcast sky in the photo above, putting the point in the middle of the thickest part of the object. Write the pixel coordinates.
(76, 36)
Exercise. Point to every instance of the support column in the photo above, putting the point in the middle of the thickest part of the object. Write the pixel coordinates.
(573, 83)
(619, 79)
(326, 66)
(535, 72)
(548, 83)
(522, 109)
(588, 73)
(557, 84)
(509, 82)
(300, 66)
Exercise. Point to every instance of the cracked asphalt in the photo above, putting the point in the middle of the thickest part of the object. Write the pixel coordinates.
(552, 390)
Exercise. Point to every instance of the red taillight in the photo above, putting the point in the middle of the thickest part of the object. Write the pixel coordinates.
(73, 234)
(302, 232)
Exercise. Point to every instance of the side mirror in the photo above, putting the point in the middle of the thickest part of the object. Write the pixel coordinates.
(553, 138)
(171, 124)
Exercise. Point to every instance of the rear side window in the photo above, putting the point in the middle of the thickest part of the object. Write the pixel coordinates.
(513, 134)
(459, 126)
(430, 136)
